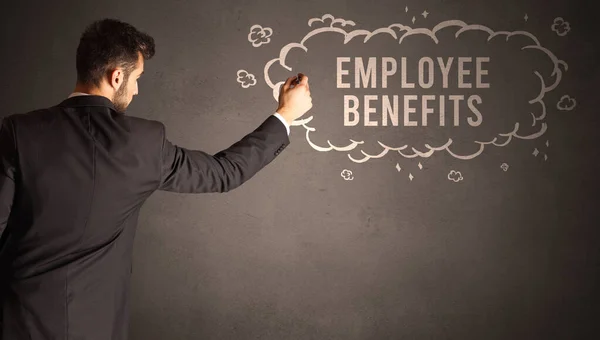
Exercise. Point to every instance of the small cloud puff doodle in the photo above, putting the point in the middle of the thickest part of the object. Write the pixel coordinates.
(331, 21)
(455, 176)
(259, 35)
(504, 166)
(566, 103)
(245, 78)
(561, 27)
(347, 175)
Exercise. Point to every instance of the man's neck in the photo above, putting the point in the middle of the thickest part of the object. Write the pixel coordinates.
(89, 90)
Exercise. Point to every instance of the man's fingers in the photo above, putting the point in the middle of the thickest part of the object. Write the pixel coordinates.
(288, 82)
(304, 79)
(294, 80)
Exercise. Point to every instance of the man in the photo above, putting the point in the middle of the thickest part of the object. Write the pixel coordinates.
(74, 176)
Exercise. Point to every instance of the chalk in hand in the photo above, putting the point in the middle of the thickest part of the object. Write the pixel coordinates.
(296, 81)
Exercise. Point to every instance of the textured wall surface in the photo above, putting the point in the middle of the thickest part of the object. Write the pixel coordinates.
(440, 226)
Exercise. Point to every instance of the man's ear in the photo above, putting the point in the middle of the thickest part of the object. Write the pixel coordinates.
(116, 79)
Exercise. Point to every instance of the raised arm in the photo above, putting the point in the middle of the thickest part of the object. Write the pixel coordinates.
(195, 171)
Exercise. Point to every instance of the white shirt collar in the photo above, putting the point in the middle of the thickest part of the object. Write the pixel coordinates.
(78, 94)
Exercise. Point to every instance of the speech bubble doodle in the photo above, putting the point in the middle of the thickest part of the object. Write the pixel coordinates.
(245, 78)
(444, 31)
(566, 103)
(259, 35)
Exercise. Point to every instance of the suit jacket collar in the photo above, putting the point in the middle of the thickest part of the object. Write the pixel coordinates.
(89, 100)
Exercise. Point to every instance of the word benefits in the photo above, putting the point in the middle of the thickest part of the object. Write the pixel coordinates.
(416, 108)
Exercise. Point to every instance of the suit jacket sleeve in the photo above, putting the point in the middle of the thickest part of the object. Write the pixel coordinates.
(8, 155)
(195, 171)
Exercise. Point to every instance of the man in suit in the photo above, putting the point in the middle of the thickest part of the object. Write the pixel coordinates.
(74, 176)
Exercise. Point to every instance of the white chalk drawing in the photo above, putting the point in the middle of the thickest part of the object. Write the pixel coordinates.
(245, 78)
(414, 19)
(406, 9)
(347, 175)
(398, 167)
(566, 103)
(455, 176)
(526, 17)
(259, 35)
(504, 166)
(545, 157)
(547, 143)
(535, 152)
(420, 166)
(560, 26)
(425, 14)
(410, 176)
(327, 23)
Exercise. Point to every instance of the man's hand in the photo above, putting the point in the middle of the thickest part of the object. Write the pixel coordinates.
(294, 101)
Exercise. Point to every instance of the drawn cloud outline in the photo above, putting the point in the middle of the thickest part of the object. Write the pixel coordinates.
(560, 26)
(408, 31)
(455, 174)
(563, 100)
(243, 75)
(263, 35)
(347, 175)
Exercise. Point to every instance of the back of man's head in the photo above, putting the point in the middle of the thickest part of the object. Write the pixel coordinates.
(107, 44)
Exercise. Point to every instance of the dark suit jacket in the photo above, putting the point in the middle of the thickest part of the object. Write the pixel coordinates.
(72, 180)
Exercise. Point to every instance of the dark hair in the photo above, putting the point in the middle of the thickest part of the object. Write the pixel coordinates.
(107, 44)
